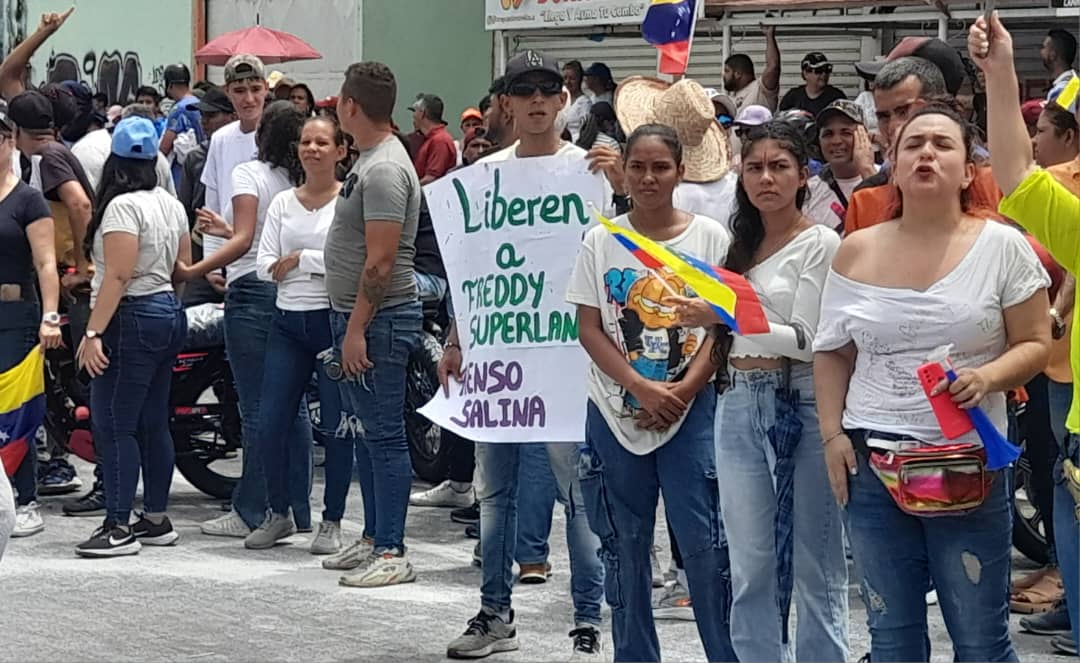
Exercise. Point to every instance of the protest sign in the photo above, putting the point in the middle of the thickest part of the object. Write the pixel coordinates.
(510, 233)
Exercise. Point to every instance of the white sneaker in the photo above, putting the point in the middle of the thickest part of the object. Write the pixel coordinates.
(381, 569)
(350, 557)
(588, 644)
(328, 540)
(931, 597)
(231, 525)
(444, 495)
(27, 520)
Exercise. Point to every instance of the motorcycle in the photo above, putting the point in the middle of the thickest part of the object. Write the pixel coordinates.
(204, 420)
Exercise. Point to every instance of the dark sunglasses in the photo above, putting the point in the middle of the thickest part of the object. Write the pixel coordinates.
(826, 69)
(527, 89)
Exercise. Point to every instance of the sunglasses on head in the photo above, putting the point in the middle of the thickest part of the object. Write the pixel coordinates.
(548, 88)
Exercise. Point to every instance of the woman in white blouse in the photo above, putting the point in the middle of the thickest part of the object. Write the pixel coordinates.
(896, 292)
(786, 258)
(291, 255)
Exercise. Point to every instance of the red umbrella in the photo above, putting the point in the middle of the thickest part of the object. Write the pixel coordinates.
(270, 46)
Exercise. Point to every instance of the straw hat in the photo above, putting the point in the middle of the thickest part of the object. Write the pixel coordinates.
(684, 107)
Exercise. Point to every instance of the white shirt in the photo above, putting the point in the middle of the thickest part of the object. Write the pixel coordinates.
(158, 220)
(823, 206)
(756, 94)
(229, 147)
(565, 149)
(609, 278)
(713, 199)
(575, 117)
(895, 329)
(93, 149)
(789, 285)
(254, 178)
(292, 227)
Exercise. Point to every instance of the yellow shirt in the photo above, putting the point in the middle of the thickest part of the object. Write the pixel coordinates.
(1058, 368)
(1051, 213)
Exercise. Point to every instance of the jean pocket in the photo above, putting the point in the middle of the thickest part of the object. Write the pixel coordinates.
(598, 510)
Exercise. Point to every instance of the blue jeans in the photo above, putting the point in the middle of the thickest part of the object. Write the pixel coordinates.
(130, 402)
(536, 500)
(966, 557)
(249, 314)
(745, 464)
(499, 480)
(621, 492)
(295, 338)
(377, 399)
(430, 287)
(1066, 524)
(19, 323)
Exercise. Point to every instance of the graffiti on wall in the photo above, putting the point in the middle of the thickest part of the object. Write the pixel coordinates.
(117, 75)
(13, 28)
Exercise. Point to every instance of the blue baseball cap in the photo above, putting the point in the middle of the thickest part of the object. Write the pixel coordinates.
(135, 138)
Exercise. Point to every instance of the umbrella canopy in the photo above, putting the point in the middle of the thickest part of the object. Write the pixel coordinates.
(270, 46)
(784, 435)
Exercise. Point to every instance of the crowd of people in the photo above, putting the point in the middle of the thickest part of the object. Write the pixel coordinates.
(873, 231)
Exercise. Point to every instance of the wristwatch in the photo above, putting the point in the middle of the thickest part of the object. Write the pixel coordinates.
(52, 318)
(91, 334)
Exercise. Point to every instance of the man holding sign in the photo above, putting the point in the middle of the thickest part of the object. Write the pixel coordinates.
(515, 222)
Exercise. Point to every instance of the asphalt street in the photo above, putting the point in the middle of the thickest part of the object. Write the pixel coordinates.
(209, 599)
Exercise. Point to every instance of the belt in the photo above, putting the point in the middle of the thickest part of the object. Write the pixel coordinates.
(891, 445)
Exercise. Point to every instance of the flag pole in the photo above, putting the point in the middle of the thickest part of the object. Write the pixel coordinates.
(699, 8)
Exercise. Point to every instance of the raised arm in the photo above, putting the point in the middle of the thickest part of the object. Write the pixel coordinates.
(770, 77)
(13, 68)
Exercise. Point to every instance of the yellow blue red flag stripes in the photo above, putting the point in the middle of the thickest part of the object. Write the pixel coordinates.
(730, 295)
(22, 408)
(668, 25)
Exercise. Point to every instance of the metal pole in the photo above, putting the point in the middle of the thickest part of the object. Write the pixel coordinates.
(943, 28)
(725, 39)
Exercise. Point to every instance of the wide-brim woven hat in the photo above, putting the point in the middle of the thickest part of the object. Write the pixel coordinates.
(685, 107)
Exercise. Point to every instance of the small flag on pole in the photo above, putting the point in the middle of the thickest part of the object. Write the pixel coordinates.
(1066, 95)
(669, 26)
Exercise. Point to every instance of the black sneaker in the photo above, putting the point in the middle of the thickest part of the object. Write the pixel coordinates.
(1054, 622)
(90, 504)
(57, 477)
(1063, 644)
(586, 643)
(466, 515)
(150, 534)
(109, 540)
(472, 531)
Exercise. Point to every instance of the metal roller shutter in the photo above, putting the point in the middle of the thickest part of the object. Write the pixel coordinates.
(627, 53)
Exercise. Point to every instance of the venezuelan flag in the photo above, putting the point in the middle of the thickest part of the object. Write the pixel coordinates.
(1066, 95)
(22, 408)
(730, 295)
(668, 25)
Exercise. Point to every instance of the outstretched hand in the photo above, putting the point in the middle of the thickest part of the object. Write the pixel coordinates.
(52, 21)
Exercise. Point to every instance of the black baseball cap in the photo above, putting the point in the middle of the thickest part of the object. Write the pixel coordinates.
(599, 70)
(528, 62)
(176, 74)
(936, 51)
(32, 111)
(816, 60)
(215, 100)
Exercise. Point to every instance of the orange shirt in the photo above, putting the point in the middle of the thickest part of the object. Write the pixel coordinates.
(1058, 369)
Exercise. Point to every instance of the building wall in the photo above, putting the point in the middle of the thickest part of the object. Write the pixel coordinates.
(433, 46)
(113, 45)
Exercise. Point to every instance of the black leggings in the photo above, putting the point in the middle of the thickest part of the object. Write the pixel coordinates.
(462, 456)
(1041, 451)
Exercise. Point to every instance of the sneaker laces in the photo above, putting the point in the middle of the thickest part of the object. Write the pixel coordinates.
(480, 624)
(325, 529)
(586, 639)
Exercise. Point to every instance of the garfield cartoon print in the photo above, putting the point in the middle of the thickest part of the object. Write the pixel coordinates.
(650, 337)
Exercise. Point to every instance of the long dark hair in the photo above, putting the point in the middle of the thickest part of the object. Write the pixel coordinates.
(970, 138)
(279, 136)
(309, 95)
(746, 224)
(600, 116)
(120, 175)
(666, 134)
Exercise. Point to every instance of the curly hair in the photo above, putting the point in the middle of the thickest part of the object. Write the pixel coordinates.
(278, 137)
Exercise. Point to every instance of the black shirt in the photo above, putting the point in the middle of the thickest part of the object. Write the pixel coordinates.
(21, 207)
(58, 166)
(797, 98)
(428, 259)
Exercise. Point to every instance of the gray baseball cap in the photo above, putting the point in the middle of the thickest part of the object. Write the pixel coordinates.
(242, 67)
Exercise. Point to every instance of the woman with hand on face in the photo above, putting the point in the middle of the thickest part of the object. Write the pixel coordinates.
(291, 255)
(26, 247)
(137, 240)
(649, 426)
(897, 292)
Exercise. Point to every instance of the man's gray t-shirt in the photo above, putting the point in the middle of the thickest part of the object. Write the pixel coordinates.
(382, 186)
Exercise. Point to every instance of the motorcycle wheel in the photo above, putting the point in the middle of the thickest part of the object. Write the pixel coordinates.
(200, 442)
(1028, 535)
(429, 457)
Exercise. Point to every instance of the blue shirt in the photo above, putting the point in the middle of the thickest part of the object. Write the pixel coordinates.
(184, 117)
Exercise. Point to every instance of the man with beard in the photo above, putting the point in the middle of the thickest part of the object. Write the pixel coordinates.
(741, 83)
(1058, 53)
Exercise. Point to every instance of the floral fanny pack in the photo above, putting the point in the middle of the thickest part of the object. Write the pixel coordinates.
(931, 480)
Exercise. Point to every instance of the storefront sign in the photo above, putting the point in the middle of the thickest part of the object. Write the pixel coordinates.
(509, 233)
(1063, 4)
(531, 14)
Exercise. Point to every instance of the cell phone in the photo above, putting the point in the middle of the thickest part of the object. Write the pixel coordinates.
(954, 422)
(84, 376)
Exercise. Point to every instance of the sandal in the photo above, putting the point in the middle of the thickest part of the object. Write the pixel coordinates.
(1029, 580)
(1039, 597)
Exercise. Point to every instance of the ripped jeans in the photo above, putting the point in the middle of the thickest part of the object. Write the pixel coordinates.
(967, 557)
(621, 490)
(296, 337)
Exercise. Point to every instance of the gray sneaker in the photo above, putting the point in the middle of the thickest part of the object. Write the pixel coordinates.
(273, 529)
(328, 540)
(486, 634)
(382, 568)
(674, 604)
(350, 557)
